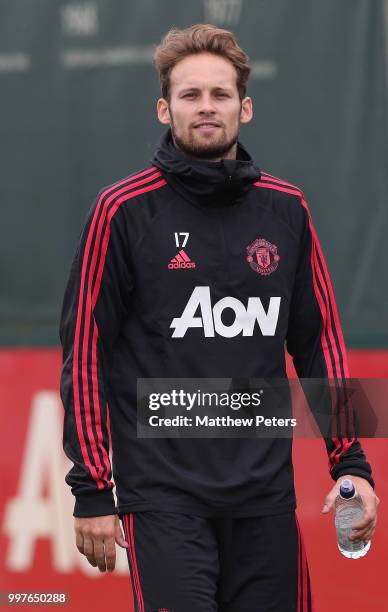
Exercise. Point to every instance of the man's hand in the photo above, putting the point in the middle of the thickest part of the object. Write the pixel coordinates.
(95, 538)
(364, 529)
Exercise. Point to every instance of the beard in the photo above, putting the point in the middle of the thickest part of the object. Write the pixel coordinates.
(192, 145)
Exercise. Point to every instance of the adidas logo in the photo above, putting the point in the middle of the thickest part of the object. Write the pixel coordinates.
(181, 260)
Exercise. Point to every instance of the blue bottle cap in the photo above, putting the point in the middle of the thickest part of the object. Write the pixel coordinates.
(347, 489)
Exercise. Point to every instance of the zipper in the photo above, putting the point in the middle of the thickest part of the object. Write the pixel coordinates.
(226, 259)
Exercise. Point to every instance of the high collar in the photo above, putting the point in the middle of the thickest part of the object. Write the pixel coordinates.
(206, 183)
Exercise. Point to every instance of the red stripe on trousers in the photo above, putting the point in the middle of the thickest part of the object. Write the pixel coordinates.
(134, 580)
(132, 544)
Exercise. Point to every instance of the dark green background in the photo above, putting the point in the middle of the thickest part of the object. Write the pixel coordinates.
(320, 122)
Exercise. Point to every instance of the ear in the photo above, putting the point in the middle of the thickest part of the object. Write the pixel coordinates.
(163, 111)
(246, 110)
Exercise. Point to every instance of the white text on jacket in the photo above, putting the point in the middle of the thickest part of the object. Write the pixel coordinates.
(211, 318)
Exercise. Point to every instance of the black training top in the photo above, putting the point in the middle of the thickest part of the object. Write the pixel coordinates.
(193, 269)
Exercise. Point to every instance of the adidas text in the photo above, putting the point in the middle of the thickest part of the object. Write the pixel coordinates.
(181, 264)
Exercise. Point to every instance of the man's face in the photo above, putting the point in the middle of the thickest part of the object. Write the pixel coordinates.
(205, 110)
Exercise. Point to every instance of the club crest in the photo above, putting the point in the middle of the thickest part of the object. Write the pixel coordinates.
(263, 256)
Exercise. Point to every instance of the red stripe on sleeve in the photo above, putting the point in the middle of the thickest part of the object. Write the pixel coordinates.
(325, 298)
(338, 348)
(98, 472)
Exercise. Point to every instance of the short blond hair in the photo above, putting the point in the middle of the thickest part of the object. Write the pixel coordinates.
(200, 38)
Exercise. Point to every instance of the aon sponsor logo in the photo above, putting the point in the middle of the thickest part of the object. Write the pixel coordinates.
(210, 318)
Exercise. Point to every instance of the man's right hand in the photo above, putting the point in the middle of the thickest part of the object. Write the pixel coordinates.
(96, 537)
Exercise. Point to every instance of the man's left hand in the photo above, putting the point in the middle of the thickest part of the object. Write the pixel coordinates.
(365, 527)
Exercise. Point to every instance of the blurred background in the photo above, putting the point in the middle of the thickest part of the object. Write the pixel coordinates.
(77, 112)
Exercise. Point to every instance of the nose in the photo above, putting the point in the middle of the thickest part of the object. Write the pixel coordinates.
(206, 105)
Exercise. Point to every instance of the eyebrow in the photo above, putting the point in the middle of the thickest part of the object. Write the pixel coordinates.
(196, 89)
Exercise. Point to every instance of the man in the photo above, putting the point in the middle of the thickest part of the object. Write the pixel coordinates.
(201, 266)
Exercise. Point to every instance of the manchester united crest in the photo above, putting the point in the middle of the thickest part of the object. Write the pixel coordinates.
(263, 256)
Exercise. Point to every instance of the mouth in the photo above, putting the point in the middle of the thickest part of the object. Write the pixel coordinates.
(206, 126)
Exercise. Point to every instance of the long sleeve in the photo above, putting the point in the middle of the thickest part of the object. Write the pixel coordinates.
(315, 341)
(95, 302)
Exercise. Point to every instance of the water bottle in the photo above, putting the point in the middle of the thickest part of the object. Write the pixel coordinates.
(348, 511)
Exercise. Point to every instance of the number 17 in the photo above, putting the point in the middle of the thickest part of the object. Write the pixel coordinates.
(185, 234)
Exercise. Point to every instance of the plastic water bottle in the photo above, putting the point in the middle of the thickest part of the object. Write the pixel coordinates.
(348, 511)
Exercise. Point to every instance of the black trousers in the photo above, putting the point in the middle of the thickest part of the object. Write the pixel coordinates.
(185, 563)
